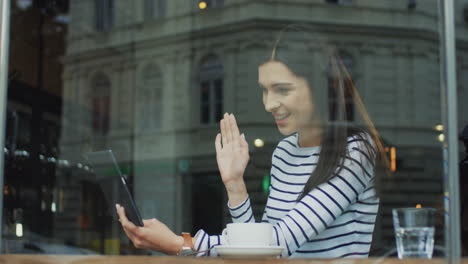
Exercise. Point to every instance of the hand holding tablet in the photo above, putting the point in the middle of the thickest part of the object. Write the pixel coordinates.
(113, 183)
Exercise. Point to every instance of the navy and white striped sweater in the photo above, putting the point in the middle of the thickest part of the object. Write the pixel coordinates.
(336, 219)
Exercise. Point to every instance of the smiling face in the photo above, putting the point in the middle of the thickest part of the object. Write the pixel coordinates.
(287, 97)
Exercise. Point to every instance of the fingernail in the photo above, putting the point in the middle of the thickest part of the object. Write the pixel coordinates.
(117, 206)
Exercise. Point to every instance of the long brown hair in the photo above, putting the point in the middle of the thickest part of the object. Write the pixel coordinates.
(334, 140)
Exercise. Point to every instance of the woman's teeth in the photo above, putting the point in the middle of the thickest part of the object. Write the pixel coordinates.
(280, 117)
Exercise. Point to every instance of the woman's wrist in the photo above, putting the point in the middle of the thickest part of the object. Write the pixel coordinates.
(177, 246)
(237, 193)
(235, 187)
(194, 241)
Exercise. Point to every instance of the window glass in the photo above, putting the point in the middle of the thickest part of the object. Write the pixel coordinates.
(100, 104)
(341, 80)
(211, 90)
(155, 9)
(104, 14)
(337, 104)
(150, 97)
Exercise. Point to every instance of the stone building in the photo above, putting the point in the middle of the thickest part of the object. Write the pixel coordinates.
(150, 79)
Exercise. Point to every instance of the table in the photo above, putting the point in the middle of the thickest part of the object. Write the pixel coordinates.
(68, 259)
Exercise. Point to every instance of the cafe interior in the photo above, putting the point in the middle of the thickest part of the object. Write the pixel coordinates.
(149, 81)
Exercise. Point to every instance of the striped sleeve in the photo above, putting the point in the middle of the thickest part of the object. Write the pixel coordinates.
(242, 213)
(205, 242)
(319, 208)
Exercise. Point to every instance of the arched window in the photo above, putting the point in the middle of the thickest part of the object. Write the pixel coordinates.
(150, 98)
(337, 74)
(104, 14)
(211, 90)
(155, 9)
(100, 104)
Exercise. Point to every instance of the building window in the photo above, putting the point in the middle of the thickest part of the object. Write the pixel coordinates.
(150, 99)
(211, 90)
(465, 13)
(155, 9)
(100, 104)
(104, 14)
(341, 78)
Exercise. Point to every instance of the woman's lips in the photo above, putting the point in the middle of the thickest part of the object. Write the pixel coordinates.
(281, 119)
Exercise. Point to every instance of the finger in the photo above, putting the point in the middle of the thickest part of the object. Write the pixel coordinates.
(234, 127)
(218, 143)
(229, 128)
(120, 212)
(129, 234)
(234, 131)
(141, 239)
(150, 222)
(147, 221)
(140, 243)
(243, 141)
(224, 130)
(124, 220)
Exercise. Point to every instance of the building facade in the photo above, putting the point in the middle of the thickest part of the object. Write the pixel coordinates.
(150, 80)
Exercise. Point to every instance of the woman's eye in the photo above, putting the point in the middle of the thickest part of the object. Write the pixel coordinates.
(283, 90)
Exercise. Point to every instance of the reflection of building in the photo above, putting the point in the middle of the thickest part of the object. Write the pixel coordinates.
(33, 118)
(151, 85)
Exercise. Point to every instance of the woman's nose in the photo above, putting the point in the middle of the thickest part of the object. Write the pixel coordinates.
(271, 103)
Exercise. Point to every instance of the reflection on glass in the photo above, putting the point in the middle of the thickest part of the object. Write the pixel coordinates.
(463, 187)
(211, 72)
(101, 104)
(104, 14)
(151, 80)
(155, 9)
(150, 98)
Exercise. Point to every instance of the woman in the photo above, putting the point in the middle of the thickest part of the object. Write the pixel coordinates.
(322, 200)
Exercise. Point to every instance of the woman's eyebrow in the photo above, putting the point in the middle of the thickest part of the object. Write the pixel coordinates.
(274, 85)
(281, 84)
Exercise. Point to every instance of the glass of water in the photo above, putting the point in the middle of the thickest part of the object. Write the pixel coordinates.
(414, 232)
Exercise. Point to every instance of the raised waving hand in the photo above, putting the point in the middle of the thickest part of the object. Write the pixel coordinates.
(232, 155)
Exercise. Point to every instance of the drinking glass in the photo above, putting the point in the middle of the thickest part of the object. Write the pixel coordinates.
(414, 232)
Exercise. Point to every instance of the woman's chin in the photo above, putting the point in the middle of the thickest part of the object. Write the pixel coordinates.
(285, 131)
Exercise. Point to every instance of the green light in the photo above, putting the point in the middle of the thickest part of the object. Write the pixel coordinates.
(266, 183)
(125, 169)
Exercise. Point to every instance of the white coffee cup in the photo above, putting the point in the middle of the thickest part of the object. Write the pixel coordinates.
(249, 234)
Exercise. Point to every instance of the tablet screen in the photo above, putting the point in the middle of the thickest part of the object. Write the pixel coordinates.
(113, 183)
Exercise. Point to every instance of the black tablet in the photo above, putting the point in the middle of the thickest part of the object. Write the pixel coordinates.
(113, 183)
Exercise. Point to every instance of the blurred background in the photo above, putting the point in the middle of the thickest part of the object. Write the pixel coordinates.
(150, 80)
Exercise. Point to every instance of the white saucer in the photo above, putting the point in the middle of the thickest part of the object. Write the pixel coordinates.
(249, 251)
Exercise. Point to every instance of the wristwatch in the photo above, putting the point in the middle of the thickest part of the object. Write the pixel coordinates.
(187, 248)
